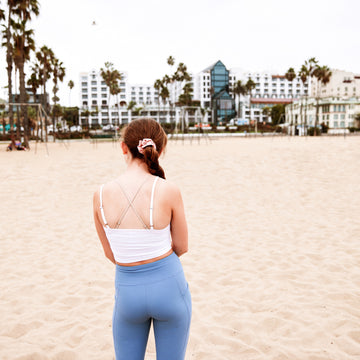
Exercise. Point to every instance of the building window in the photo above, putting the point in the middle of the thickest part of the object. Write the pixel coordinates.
(84, 97)
(94, 95)
(104, 96)
(336, 116)
(84, 83)
(103, 89)
(93, 83)
(93, 89)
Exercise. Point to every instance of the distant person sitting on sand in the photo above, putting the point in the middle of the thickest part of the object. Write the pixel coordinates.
(140, 220)
(18, 146)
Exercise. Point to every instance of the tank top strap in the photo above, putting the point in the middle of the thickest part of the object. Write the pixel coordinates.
(101, 206)
(152, 203)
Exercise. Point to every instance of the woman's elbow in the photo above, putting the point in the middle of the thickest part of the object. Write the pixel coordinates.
(110, 256)
(180, 250)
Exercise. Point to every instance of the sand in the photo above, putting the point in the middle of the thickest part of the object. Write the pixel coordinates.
(273, 262)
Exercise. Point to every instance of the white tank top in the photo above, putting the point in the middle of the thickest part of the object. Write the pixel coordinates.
(132, 245)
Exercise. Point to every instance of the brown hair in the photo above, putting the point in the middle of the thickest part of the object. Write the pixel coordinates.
(141, 129)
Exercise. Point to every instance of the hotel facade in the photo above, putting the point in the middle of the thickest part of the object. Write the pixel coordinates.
(213, 89)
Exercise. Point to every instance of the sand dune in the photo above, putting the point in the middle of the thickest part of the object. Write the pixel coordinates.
(273, 262)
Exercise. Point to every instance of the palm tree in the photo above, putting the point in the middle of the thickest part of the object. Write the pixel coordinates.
(111, 76)
(306, 73)
(158, 84)
(168, 80)
(239, 89)
(250, 85)
(164, 94)
(9, 59)
(43, 67)
(323, 76)
(115, 91)
(266, 111)
(131, 105)
(34, 84)
(290, 76)
(171, 61)
(23, 45)
(70, 85)
(58, 71)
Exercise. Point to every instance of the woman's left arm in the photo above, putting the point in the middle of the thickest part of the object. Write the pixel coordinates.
(100, 230)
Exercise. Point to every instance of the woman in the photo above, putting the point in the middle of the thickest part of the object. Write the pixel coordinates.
(140, 220)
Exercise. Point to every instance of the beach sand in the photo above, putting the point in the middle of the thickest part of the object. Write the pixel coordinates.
(274, 249)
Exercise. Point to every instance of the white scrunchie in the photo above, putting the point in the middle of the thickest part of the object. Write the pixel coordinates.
(144, 143)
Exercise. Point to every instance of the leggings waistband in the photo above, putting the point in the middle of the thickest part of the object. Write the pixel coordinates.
(146, 273)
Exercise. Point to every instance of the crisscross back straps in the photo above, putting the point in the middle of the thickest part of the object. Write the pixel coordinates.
(130, 204)
(101, 207)
(152, 203)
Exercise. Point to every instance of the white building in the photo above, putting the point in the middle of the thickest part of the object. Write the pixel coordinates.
(342, 84)
(333, 112)
(105, 109)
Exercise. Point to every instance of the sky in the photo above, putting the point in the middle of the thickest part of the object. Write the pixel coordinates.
(138, 36)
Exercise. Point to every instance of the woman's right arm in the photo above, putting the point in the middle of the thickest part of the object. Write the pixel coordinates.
(179, 230)
(100, 230)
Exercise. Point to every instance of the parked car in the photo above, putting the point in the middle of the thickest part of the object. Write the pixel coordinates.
(75, 128)
(109, 127)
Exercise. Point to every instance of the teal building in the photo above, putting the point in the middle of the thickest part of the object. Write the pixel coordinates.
(222, 103)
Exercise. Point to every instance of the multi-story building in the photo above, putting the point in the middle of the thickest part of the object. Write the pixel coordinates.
(104, 109)
(333, 112)
(270, 89)
(212, 89)
(342, 84)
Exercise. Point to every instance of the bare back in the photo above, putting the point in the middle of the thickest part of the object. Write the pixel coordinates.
(126, 203)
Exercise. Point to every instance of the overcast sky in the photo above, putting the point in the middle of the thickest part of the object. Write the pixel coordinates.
(138, 36)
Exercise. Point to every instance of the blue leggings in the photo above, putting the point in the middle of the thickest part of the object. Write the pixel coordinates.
(158, 293)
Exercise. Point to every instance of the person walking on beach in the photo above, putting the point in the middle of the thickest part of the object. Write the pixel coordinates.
(140, 220)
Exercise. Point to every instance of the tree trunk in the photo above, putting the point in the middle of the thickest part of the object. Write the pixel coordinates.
(23, 107)
(45, 108)
(18, 123)
(317, 107)
(9, 60)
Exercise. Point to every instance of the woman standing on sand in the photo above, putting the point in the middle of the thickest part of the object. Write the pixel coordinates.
(140, 220)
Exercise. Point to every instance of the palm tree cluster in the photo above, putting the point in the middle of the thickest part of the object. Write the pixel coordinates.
(244, 89)
(310, 69)
(178, 78)
(111, 76)
(18, 39)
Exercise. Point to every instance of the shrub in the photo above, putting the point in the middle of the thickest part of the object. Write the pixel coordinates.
(312, 130)
(168, 127)
(324, 128)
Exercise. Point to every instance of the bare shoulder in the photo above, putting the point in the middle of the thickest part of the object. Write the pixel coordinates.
(96, 195)
(170, 189)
